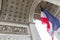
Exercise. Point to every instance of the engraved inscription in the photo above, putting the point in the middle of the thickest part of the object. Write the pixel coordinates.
(13, 29)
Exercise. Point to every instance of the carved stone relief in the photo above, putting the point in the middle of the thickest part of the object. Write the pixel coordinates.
(13, 29)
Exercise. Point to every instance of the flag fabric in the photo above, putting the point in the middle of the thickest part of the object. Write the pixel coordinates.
(52, 22)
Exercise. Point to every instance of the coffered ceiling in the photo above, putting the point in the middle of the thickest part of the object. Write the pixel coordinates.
(16, 10)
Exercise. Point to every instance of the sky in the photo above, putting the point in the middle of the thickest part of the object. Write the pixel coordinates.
(41, 28)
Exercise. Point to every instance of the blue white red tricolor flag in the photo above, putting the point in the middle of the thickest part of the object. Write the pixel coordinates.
(52, 22)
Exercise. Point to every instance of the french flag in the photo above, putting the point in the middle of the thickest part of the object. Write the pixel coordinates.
(52, 22)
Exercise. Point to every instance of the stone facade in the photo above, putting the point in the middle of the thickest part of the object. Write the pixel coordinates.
(14, 21)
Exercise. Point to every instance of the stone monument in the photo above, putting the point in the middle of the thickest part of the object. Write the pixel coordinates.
(14, 21)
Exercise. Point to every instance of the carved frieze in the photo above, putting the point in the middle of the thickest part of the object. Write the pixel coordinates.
(13, 29)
